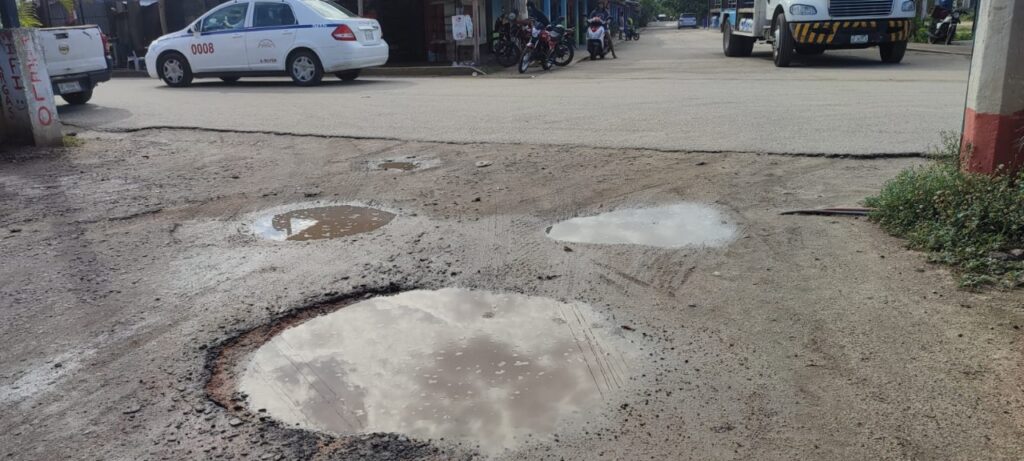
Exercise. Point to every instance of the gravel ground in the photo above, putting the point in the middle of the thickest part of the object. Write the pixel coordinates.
(127, 266)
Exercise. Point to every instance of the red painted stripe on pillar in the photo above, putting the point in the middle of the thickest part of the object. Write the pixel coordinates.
(992, 141)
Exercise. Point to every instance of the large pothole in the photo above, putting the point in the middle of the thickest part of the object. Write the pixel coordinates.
(320, 222)
(670, 226)
(493, 370)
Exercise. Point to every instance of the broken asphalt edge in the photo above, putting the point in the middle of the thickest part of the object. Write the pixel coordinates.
(865, 156)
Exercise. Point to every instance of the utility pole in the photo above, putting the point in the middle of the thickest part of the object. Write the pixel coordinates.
(521, 6)
(477, 27)
(993, 135)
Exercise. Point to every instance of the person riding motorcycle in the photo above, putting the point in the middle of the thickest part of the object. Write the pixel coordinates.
(605, 15)
(602, 12)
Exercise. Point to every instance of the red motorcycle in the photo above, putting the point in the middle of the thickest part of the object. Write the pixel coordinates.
(539, 48)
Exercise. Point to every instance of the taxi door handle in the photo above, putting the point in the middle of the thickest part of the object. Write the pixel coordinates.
(236, 36)
(287, 33)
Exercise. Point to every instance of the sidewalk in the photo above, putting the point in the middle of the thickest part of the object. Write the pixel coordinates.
(580, 55)
(964, 48)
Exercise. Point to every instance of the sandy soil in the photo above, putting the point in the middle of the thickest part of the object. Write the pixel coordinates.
(128, 265)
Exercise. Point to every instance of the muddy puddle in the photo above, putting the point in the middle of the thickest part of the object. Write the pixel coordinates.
(488, 370)
(670, 226)
(400, 166)
(320, 222)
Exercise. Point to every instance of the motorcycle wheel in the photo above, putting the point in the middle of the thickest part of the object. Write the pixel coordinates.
(563, 54)
(525, 60)
(950, 35)
(509, 55)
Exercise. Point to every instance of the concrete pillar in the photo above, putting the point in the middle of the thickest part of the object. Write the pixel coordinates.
(26, 95)
(993, 135)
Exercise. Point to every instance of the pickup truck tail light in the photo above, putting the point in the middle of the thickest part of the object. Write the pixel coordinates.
(343, 33)
(106, 44)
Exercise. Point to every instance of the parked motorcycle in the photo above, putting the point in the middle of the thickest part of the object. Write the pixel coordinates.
(565, 43)
(539, 48)
(944, 22)
(632, 33)
(508, 39)
(598, 39)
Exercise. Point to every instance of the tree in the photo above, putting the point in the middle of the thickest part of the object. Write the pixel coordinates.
(28, 13)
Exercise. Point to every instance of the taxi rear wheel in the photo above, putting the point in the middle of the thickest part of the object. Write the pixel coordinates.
(304, 68)
(174, 70)
(348, 75)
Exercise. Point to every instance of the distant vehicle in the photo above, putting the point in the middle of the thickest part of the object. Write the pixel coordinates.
(77, 59)
(809, 27)
(303, 39)
(687, 20)
(663, 17)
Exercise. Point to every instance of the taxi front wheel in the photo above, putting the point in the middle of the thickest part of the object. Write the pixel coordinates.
(174, 70)
(304, 68)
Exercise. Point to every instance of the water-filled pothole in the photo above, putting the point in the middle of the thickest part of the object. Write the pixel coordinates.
(485, 368)
(671, 226)
(401, 166)
(322, 222)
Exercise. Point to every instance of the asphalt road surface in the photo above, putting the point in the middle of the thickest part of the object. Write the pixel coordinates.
(672, 90)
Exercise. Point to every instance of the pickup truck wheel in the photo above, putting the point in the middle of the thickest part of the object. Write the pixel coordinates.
(77, 99)
(305, 69)
(783, 44)
(892, 53)
(174, 70)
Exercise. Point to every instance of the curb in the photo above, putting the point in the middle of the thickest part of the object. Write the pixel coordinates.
(128, 73)
(952, 50)
(423, 71)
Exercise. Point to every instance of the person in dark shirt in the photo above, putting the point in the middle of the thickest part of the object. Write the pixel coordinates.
(537, 15)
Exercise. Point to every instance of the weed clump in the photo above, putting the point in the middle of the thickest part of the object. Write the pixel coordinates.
(972, 222)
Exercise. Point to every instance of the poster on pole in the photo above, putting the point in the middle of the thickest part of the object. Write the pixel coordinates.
(462, 27)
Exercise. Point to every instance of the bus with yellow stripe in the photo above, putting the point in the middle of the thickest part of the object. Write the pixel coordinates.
(809, 27)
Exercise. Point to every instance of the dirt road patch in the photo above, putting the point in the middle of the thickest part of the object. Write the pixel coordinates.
(806, 337)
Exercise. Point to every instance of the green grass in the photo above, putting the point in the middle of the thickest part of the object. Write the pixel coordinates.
(72, 141)
(968, 221)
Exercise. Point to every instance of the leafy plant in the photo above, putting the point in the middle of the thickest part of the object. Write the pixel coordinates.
(28, 14)
(972, 222)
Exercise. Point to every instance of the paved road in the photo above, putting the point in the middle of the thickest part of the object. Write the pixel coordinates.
(671, 90)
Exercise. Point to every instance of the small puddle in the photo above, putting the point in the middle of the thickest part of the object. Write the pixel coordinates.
(403, 166)
(484, 368)
(671, 226)
(322, 222)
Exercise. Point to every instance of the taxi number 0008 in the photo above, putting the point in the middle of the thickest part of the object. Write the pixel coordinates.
(202, 48)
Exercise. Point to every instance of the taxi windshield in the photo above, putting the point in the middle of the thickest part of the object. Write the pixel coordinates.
(329, 9)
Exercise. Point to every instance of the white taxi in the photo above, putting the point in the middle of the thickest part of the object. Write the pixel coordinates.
(303, 39)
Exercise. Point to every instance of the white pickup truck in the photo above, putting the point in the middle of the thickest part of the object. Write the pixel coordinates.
(77, 59)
